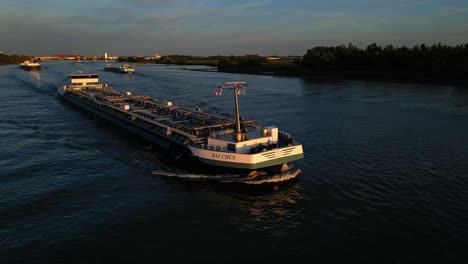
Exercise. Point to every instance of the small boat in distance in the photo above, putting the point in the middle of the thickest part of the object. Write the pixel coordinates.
(122, 69)
(197, 139)
(30, 66)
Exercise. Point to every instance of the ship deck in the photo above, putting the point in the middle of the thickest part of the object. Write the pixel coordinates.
(195, 125)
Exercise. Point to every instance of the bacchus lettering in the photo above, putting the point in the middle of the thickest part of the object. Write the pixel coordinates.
(223, 156)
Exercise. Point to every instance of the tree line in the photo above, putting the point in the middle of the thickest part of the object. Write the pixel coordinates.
(247, 61)
(434, 61)
(12, 59)
(175, 59)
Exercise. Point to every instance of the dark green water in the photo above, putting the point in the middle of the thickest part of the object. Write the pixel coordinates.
(384, 178)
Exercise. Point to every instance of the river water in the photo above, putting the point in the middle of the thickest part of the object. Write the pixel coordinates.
(384, 178)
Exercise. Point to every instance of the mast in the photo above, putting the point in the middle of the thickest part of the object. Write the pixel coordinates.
(236, 90)
(235, 87)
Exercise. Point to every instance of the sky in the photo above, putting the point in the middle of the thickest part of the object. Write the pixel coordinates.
(209, 27)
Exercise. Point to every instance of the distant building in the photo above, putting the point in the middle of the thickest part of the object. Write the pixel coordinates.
(44, 58)
(155, 57)
(68, 57)
(105, 55)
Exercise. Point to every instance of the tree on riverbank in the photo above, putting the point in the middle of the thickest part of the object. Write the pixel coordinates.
(12, 59)
(259, 64)
(248, 61)
(437, 60)
(175, 59)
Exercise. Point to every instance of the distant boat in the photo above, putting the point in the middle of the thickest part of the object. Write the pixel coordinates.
(122, 69)
(30, 66)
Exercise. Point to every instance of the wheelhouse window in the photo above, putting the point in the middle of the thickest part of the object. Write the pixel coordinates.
(231, 147)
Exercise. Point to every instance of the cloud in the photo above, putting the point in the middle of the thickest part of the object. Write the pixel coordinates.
(150, 2)
(241, 7)
(225, 10)
(452, 10)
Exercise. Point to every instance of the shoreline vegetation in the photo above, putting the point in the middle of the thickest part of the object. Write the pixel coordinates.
(13, 59)
(420, 63)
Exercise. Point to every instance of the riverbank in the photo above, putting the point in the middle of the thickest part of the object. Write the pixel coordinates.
(403, 77)
(291, 68)
(12, 59)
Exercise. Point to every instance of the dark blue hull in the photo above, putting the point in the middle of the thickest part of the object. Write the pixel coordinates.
(174, 148)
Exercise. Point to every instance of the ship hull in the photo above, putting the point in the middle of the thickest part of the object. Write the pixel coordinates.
(158, 141)
(248, 161)
(31, 68)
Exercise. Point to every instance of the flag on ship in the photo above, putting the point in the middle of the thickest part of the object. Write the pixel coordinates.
(242, 91)
(218, 91)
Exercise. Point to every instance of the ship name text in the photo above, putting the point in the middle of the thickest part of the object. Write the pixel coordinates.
(223, 156)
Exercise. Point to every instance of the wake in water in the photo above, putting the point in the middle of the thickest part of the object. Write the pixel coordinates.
(255, 177)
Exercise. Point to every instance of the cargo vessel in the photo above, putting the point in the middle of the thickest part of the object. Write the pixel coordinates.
(30, 66)
(122, 69)
(215, 141)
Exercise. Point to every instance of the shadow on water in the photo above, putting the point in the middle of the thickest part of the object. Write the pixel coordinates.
(263, 204)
